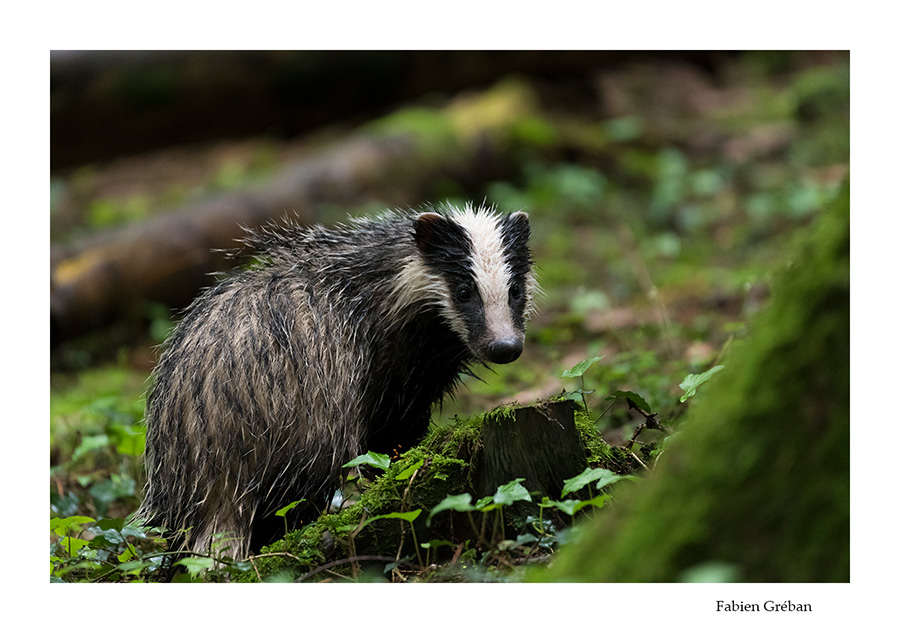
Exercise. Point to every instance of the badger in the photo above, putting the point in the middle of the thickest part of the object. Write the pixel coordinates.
(340, 340)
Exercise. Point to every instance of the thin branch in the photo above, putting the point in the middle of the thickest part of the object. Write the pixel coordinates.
(353, 560)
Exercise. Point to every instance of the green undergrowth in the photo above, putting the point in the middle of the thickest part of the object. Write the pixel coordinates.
(447, 464)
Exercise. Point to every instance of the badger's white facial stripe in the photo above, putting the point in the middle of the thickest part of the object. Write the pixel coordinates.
(416, 283)
(492, 275)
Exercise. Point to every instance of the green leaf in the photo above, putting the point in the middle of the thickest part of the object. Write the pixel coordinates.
(196, 564)
(90, 443)
(692, 381)
(630, 395)
(511, 492)
(483, 503)
(571, 506)
(460, 503)
(408, 472)
(376, 460)
(129, 439)
(612, 478)
(61, 525)
(133, 567)
(581, 480)
(107, 538)
(293, 504)
(580, 368)
(111, 524)
(405, 516)
(127, 555)
(71, 545)
(598, 501)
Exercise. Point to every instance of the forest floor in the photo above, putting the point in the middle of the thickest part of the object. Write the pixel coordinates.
(655, 232)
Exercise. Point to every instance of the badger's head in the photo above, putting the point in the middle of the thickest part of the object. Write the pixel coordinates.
(479, 273)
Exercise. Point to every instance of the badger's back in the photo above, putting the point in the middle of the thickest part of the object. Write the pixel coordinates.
(340, 343)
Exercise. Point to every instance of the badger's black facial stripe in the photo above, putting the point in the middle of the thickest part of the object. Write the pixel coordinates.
(444, 245)
(515, 231)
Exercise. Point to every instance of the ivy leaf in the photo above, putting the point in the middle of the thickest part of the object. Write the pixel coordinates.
(71, 545)
(408, 472)
(61, 525)
(580, 368)
(483, 503)
(571, 506)
(111, 524)
(460, 503)
(293, 504)
(196, 565)
(692, 381)
(133, 567)
(405, 516)
(376, 460)
(581, 480)
(630, 395)
(610, 478)
(511, 492)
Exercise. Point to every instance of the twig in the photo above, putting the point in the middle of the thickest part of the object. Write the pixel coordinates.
(253, 558)
(638, 460)
(650, 422)
(353, 560)
(459, 549)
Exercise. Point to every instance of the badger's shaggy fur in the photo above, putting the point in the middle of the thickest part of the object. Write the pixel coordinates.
(338, 344)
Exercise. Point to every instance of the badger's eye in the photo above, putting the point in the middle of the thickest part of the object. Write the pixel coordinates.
(515, 291)
(463, 294)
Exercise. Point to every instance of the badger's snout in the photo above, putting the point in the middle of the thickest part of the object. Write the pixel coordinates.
(504, 350)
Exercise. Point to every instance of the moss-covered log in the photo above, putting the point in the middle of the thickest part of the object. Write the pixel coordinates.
(758, 482)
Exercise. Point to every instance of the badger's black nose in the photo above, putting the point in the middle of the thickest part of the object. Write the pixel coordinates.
(504, 350)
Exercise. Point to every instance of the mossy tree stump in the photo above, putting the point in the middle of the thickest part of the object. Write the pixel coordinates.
(544, 444)
(539, 443)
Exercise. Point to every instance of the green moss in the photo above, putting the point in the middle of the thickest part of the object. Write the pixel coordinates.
(599, 453)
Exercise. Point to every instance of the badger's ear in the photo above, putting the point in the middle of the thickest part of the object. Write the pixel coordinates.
(516, 229)
(519, 217)
(427, 225)
(436, 234)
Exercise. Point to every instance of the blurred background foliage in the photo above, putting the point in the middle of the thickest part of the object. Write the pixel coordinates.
(664, 189)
